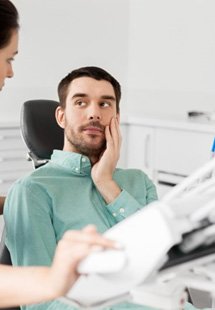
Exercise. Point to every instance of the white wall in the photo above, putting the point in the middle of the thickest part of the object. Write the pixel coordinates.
(162, 52)
(171, 56)
(58, 36)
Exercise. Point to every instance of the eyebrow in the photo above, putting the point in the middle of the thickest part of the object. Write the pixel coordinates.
(79, 95)
(108, 97)
(82, 95)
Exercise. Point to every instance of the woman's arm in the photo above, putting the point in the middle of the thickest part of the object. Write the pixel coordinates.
(26, 285)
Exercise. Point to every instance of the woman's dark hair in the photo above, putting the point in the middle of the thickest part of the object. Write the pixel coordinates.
(9, 21)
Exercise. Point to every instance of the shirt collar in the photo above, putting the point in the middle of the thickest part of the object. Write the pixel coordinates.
(75, 162)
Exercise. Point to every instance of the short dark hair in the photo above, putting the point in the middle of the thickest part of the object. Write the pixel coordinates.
(93, 72)
(9, 21)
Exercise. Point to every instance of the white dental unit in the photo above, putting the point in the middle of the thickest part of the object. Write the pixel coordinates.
(167, 247)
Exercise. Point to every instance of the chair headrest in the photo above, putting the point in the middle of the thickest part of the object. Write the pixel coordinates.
(39, 128)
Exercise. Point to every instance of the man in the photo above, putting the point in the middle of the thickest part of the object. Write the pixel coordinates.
(81, 184)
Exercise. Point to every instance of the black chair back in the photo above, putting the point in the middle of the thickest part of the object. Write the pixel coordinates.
(40, 130)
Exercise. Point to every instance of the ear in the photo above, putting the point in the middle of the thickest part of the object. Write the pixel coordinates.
(60, 116)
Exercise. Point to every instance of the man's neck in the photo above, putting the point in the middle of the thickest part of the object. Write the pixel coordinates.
(93, 159)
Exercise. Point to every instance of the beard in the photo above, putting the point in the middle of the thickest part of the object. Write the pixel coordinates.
(80, 143)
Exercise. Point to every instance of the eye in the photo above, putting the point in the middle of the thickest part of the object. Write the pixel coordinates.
(80, 103)
(9, 60)
(105, 104)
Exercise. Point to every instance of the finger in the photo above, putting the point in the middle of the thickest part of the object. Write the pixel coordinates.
(90, 229)
(118, 130)
(112, 132)
(115, 132)
(90, 238)
(109, 140)
(116, 137)
(97, 240)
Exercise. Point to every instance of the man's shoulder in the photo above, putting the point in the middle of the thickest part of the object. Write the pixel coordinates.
(131, 173)
(33, 175)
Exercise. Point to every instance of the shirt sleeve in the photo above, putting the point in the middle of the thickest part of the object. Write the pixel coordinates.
(30, 236)
(137, 191)
(189, 306)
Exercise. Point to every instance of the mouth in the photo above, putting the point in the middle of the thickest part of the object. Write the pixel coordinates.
(93, 130)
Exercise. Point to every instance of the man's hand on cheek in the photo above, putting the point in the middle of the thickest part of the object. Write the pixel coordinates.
(102, 171)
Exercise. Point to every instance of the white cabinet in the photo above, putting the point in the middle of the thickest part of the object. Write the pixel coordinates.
(13, 154)
(167, 150)
(140, 150)
(181, 151)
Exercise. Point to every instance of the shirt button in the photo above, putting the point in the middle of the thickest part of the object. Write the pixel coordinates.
(114, 214)
(76, 169)
(83, 159)
(121, 210)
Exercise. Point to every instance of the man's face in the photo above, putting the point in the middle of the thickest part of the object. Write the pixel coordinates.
(90, 106)
(6, 57)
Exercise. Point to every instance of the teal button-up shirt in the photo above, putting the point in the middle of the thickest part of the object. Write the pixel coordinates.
(59, 196)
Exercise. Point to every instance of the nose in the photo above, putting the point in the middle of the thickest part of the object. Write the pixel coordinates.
(94, 113)
(10, 71)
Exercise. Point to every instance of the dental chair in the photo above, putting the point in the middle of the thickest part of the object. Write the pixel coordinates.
(41, 135)
(40, 130)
